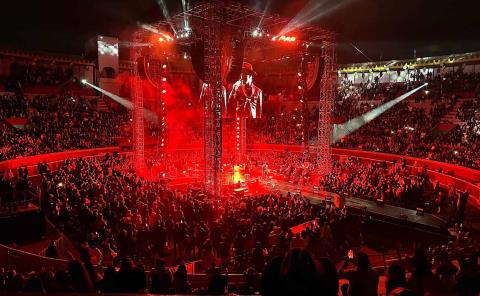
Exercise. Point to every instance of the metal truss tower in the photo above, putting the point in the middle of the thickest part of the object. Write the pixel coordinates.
(327, 96)
(213, 97)
(138, 130)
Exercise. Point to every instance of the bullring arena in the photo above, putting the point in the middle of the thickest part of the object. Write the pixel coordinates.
(223, 148)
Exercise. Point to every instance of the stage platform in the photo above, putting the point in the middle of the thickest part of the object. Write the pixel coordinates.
(386, 213)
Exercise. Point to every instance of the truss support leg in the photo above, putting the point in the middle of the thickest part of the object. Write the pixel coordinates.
(327, 95)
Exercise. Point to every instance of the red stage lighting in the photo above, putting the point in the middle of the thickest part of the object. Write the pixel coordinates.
(283, 38)
(164, 37)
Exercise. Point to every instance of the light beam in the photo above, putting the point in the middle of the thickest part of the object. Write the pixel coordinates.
(311, 12)
(148, 114)
(342, 130)
(166, 15)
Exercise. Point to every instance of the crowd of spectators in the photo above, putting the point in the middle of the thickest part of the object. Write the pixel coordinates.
(409, 128)
(37, 74)
(55, 123)
(104, 205)
(395, 184)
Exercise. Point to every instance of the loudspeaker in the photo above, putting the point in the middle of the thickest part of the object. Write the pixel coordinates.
(197, 54)
(235, 62)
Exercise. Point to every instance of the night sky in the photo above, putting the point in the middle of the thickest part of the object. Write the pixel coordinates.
(382, 29)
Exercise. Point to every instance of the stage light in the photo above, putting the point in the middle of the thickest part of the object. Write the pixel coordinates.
(164, 66)
(164, 91)
(164, 79)
(164, 38)
(83, 81)
(299, 74)
(300, 87)
(289, 39)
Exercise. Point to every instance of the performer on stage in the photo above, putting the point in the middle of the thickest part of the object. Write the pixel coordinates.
(245, 99)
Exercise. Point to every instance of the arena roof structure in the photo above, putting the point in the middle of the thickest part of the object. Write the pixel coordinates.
(438, 61)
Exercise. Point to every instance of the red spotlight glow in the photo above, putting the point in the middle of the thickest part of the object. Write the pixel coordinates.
(289, 39)
(165, 38)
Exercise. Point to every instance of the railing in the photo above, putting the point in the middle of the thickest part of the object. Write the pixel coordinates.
(53, 159)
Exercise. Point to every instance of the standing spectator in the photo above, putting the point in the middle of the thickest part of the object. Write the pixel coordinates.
(364, 280)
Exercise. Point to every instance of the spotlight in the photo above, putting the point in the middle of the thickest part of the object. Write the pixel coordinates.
(164, 66)
(184, 33)
(164, 79)
(83, 81)
(259, 33)
(284, 38)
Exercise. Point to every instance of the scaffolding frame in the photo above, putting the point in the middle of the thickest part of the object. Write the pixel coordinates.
(136, 92)
(213, 99)
(209, 19)
(325, 107)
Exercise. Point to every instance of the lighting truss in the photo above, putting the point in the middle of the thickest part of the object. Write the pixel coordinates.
(327, 95)
(213, 99)
(209, 21)
(138, 110)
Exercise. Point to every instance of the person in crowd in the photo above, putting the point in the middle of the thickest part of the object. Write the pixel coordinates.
(364, 280)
